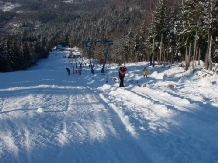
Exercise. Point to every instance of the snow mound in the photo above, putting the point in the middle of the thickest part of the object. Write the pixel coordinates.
(184, 79)
(157, 75)
(154, 74)
(39, 110)
(161, 76)
(204, 82)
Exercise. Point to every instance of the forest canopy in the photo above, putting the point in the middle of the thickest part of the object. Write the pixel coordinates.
(141, 30)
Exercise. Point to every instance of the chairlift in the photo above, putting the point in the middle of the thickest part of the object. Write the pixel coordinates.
(108, 44)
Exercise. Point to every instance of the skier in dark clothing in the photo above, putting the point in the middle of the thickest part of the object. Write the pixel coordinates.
(122, 72)
(68, 71)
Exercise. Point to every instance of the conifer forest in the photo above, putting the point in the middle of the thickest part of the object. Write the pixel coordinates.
(164, 31)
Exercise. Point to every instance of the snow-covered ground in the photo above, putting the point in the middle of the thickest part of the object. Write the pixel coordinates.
(47, 116)
(8, 6)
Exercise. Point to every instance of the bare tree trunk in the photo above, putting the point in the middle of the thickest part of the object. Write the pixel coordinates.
(164, 54)
(172, 56)
(210, 39)
(195, 46)
(186, 58)
(196, 55)
(153, 53)
(167, 54)
(206, 64)
(161, 47)
(208, 59)
(210, 54)
(189, 58)
(199, 55)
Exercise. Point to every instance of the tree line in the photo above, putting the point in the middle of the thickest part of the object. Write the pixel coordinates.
(187, 31)
(141, 30)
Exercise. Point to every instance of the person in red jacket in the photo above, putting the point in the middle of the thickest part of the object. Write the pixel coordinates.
(122, 72)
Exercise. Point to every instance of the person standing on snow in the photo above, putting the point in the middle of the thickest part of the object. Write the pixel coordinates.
(122, 72)
(144, 72)
(68, 71)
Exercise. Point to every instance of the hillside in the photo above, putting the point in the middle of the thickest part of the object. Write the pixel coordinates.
(48, 116)
(32, 28)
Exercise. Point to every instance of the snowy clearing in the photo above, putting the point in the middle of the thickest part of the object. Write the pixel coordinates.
(48, 116)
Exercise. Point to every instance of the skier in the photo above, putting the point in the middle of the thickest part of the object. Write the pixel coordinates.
(144, 72)
(68, 71)
(122, 72)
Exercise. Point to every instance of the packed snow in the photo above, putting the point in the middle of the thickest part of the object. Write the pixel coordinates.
(48, 116)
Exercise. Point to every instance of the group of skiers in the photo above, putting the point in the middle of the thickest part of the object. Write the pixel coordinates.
(122, 72)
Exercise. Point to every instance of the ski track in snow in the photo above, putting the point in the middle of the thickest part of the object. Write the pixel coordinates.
(65, 117)
(155, 111)
(58, 118)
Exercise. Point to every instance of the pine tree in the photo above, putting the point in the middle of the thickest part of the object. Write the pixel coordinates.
(159, 34)
(210, 28)
(188, 37)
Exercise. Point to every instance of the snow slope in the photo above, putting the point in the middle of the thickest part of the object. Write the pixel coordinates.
(47, 116)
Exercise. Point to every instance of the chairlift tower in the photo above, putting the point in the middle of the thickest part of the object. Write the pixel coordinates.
(108, 44)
